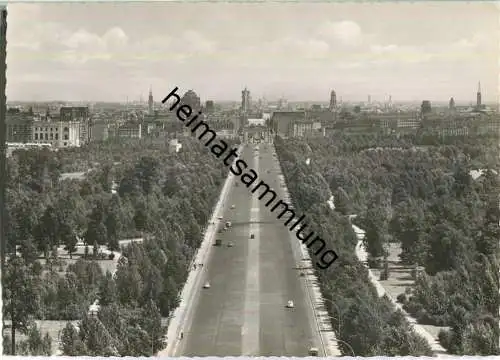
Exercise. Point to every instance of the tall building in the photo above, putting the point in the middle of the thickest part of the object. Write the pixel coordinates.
(245, 100)
(369, 99)
(426, 107)
(478, 94)
(333, 100)
(209, 106)
(81, 115)
(282, 103)
(452, 104)
(150, 102)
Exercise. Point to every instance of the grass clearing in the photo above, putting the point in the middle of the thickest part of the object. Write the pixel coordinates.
(399, 279)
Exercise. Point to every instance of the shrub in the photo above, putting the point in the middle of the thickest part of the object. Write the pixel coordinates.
(444, 338)
(402, 298)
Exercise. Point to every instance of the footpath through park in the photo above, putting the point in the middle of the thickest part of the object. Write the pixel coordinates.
(362, 256)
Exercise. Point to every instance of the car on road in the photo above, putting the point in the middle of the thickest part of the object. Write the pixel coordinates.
(252, 236)
(233, 206)
(230, 244)
(290, 304)
(313, 351)
(220, 217)
(206, 285)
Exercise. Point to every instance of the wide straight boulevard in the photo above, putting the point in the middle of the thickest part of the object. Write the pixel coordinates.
(244, 311)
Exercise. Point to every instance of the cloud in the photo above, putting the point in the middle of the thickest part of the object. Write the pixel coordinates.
(163, 48)
(82, 39)
(291, 47)
(347, 32)
(115, 38)
(130, 56)
(478, 41)
(82, 46)
(396, 53)
(195, 43)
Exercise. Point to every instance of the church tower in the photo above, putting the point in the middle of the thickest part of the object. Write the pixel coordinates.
(150, 101)
(478, 94)
(333, 100)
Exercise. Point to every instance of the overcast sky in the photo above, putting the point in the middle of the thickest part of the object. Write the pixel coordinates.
(108, 51)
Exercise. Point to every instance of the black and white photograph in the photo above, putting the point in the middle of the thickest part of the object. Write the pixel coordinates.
(256, 179)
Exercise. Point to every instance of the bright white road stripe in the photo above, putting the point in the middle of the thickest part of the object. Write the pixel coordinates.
(250, 332)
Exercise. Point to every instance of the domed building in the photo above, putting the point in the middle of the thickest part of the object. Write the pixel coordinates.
(192, 99)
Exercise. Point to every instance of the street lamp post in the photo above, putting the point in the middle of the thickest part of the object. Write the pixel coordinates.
(349, 346)
(338, 322)
(338, 312)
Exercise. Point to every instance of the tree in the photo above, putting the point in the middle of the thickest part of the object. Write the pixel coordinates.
(107, 290)
(46, 233)
(487, 243)
(376, 229)
(151, 323)
(20, 299)
(95, 251)
(36, 344)
(70, 241)
(28, 250)
(342, 201)
(105, 177)
(71, 343)
(409, 225)
(96, 337)
(96, 233)
(113, 223)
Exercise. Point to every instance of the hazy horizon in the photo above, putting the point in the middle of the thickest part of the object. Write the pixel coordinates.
(94, 53)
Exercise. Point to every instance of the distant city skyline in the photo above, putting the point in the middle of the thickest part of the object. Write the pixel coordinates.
(413, 52)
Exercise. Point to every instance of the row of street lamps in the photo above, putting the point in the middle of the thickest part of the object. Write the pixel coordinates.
(339, 320)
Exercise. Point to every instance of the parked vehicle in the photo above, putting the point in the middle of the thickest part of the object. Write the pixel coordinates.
(313, 351)
(218, 242)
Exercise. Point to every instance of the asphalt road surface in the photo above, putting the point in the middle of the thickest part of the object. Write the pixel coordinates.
(244, 310)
